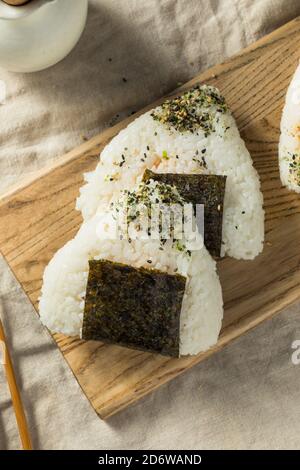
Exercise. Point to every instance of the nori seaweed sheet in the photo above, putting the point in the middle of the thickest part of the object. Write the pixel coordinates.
(208, 190)
(134, 307)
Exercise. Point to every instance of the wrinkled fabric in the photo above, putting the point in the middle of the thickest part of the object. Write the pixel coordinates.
(245, 396)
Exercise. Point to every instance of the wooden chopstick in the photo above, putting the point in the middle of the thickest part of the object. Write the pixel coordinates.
(15, 395)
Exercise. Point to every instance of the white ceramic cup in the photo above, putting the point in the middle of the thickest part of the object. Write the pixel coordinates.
(39, 34)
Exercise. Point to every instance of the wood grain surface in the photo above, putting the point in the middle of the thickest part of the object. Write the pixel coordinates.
(38, 217)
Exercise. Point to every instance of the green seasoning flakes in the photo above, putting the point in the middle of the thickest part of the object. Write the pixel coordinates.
(134, 307)
(208, 190)
(294, 168)
(195, 109)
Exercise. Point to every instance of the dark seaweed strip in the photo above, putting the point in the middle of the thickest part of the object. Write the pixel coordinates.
(200, 189)
(134, 307)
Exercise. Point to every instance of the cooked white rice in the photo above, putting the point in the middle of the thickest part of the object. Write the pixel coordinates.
(148, 143)
(65, 280)
(289, 145)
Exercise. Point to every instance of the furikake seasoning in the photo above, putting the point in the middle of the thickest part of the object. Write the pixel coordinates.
(196, 109)
(208, 190)
(134, 307)
(294, 168)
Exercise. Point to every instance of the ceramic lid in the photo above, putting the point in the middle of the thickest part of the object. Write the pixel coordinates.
(8, 12)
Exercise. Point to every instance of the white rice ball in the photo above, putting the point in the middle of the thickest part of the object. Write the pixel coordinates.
(289, 144)
(160, 147)
(65, 280)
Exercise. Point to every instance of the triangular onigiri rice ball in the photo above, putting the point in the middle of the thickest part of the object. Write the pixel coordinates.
(62, 303)
(194, 133)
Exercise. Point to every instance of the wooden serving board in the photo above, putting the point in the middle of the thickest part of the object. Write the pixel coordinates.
(37, 218)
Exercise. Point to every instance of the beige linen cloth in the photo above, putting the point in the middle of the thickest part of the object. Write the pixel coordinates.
(247, 395)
